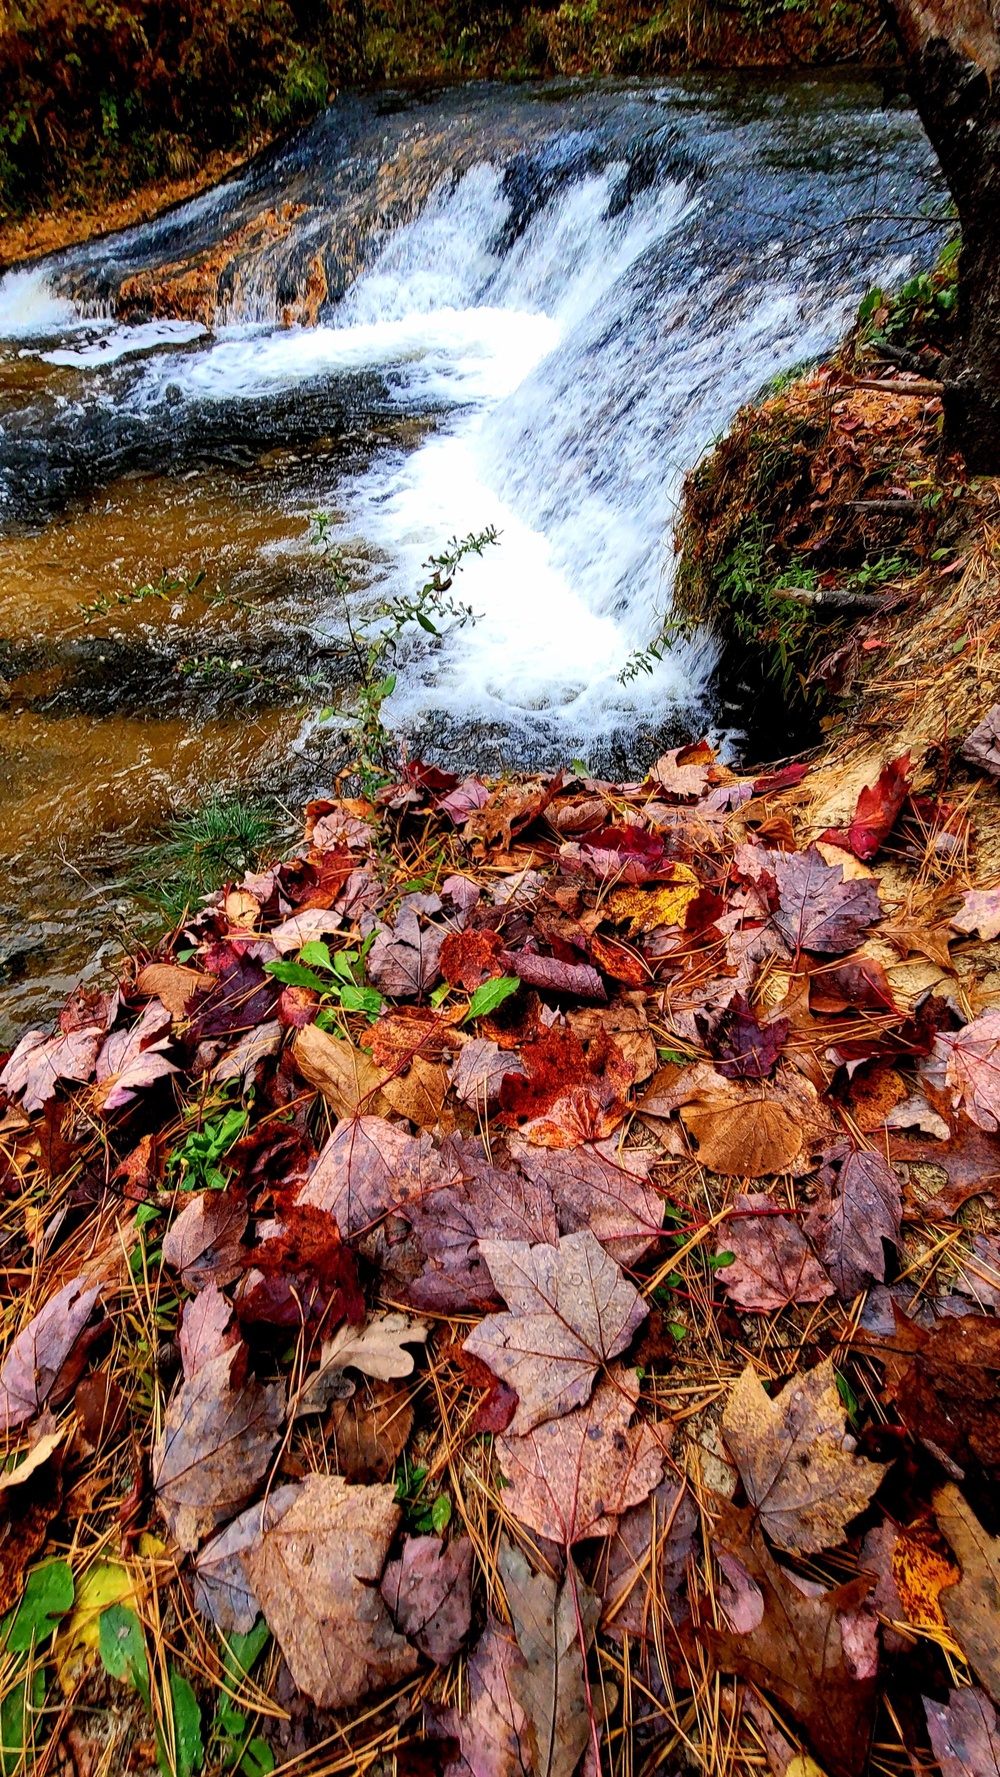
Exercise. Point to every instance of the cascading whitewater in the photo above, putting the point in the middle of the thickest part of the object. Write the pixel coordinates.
(571, 295)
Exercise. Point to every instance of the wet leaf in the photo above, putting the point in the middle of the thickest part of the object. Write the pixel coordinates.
(419, 1093)
(403, 962)
(218, 1434)
(796, 1651)
(367, 1432)
(641, 1568)
(964, 1735)
(748, 1049)
(773, 1263)
(982, 745)
(684, 772)
(316, 1574)
(972, 1605)
(188, 1747)
(483, 1201)
(206, 1330)
(554, 1622)
(796, 1460)
(663, 905)
(972, 1070)
(551, 975)
(948, 1391)
(749, 1138)
(817, 909)
(429, 1593)
(47, 1598)
(469, 958)
(172, 985)
(303, 1273)
(571, 1311)
(40, 1062)
(877, 811)
(205, 1244)
(243, 996)
(37, 1354)
(573, 1477)
(602, 1187)
(221, 1589)
(860, 1205)
(478, 1073)
(495, 1737)
(568, 1095)
(31, 1495)
(370, 1165)
(122, 1645)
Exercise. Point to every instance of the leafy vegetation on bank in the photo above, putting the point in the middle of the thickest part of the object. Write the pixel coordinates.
(98, 99)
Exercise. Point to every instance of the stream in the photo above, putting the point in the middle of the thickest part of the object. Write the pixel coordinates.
(531, 308)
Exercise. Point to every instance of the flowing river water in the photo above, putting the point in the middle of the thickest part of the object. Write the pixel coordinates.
(531, 308)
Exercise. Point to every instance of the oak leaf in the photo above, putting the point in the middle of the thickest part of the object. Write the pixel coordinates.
(429, 1594)
(972, 1604)
(773, 1263)
(860, 1205)
(796, 1650)
(376, 1349)
(573, 1477)
(964, 1735)
(817, 909)
(603, 1187)
(218, 1434)
(797, 1463)
(571, 1312)
(36, 1356)
(316, 1574)
(554, 1622)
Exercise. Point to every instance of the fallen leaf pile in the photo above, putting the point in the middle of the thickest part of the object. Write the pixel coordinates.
(513, 1289)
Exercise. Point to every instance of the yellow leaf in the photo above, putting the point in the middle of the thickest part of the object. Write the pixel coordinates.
(77, 1643)
(663, 905)
(802, 1766)
(152, 1547)
(921, 1568)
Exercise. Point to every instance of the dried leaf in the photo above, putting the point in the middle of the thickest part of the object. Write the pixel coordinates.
(979, 912)
(366, 1433)
(172, 985)
(218, 1434)
(406, 1031)
(948, 1391)
(663, 905)
(205, 1243)
(568, 1096)
(964, 1735)
(796, 1651)
(131, 1059)
(303, 1273)
(26, 1511)
(817, 909)
(627, 1026)
(772, 1261)
(796, 1460)
(469, 958)
(479, 1071)
(369, 1166)
(37, 1355)
(403, 962)
(573, 1477)
(554, 1623)
(347, 1078)
(982, 746)
(972, 1070)
(602, 1187)
(861, 1205)
(419, 1094)
(751, 1138)
(495, 1737)
(684, 772)
(972, 1605)
(376, 1349)
(979, 1274)
(571, 1311)
(305, 927)
(859, 984)
(551, 975)
(241, 1061)
(316, 1576)
(222, 1591)
(40, 1062)
(429, 1593)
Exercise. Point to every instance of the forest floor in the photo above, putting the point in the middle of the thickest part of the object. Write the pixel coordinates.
(513, 1287)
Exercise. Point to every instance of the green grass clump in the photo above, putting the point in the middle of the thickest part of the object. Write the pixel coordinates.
(216, 843)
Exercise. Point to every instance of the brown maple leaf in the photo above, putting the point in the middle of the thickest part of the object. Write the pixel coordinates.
(205, 1244)
(316, 1573)
(861, 1204)
(603, 1187)
(36, 1356)
(964, 1734)
(796, 1650)
(773, 1263)
(218, 1434)
(571, 1312)
(796, 1460)
(370, 1166)
(972, 1068)
(972, 1604)
(429, 1593)
(573, 1477)
(948, 1392)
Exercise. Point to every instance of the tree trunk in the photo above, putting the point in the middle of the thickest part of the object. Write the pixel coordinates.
(951, 49)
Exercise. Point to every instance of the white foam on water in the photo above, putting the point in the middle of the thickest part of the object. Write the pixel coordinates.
(29, 307)
(118, 342)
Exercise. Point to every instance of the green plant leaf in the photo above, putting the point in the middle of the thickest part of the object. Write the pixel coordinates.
(258, 1759)
(317, 953)
(491, 994)
(122, 1647)
(188, 1744)
(441, 1513)
(48, 1596)
(361, 999)
(16, 1726)
(295, 975)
